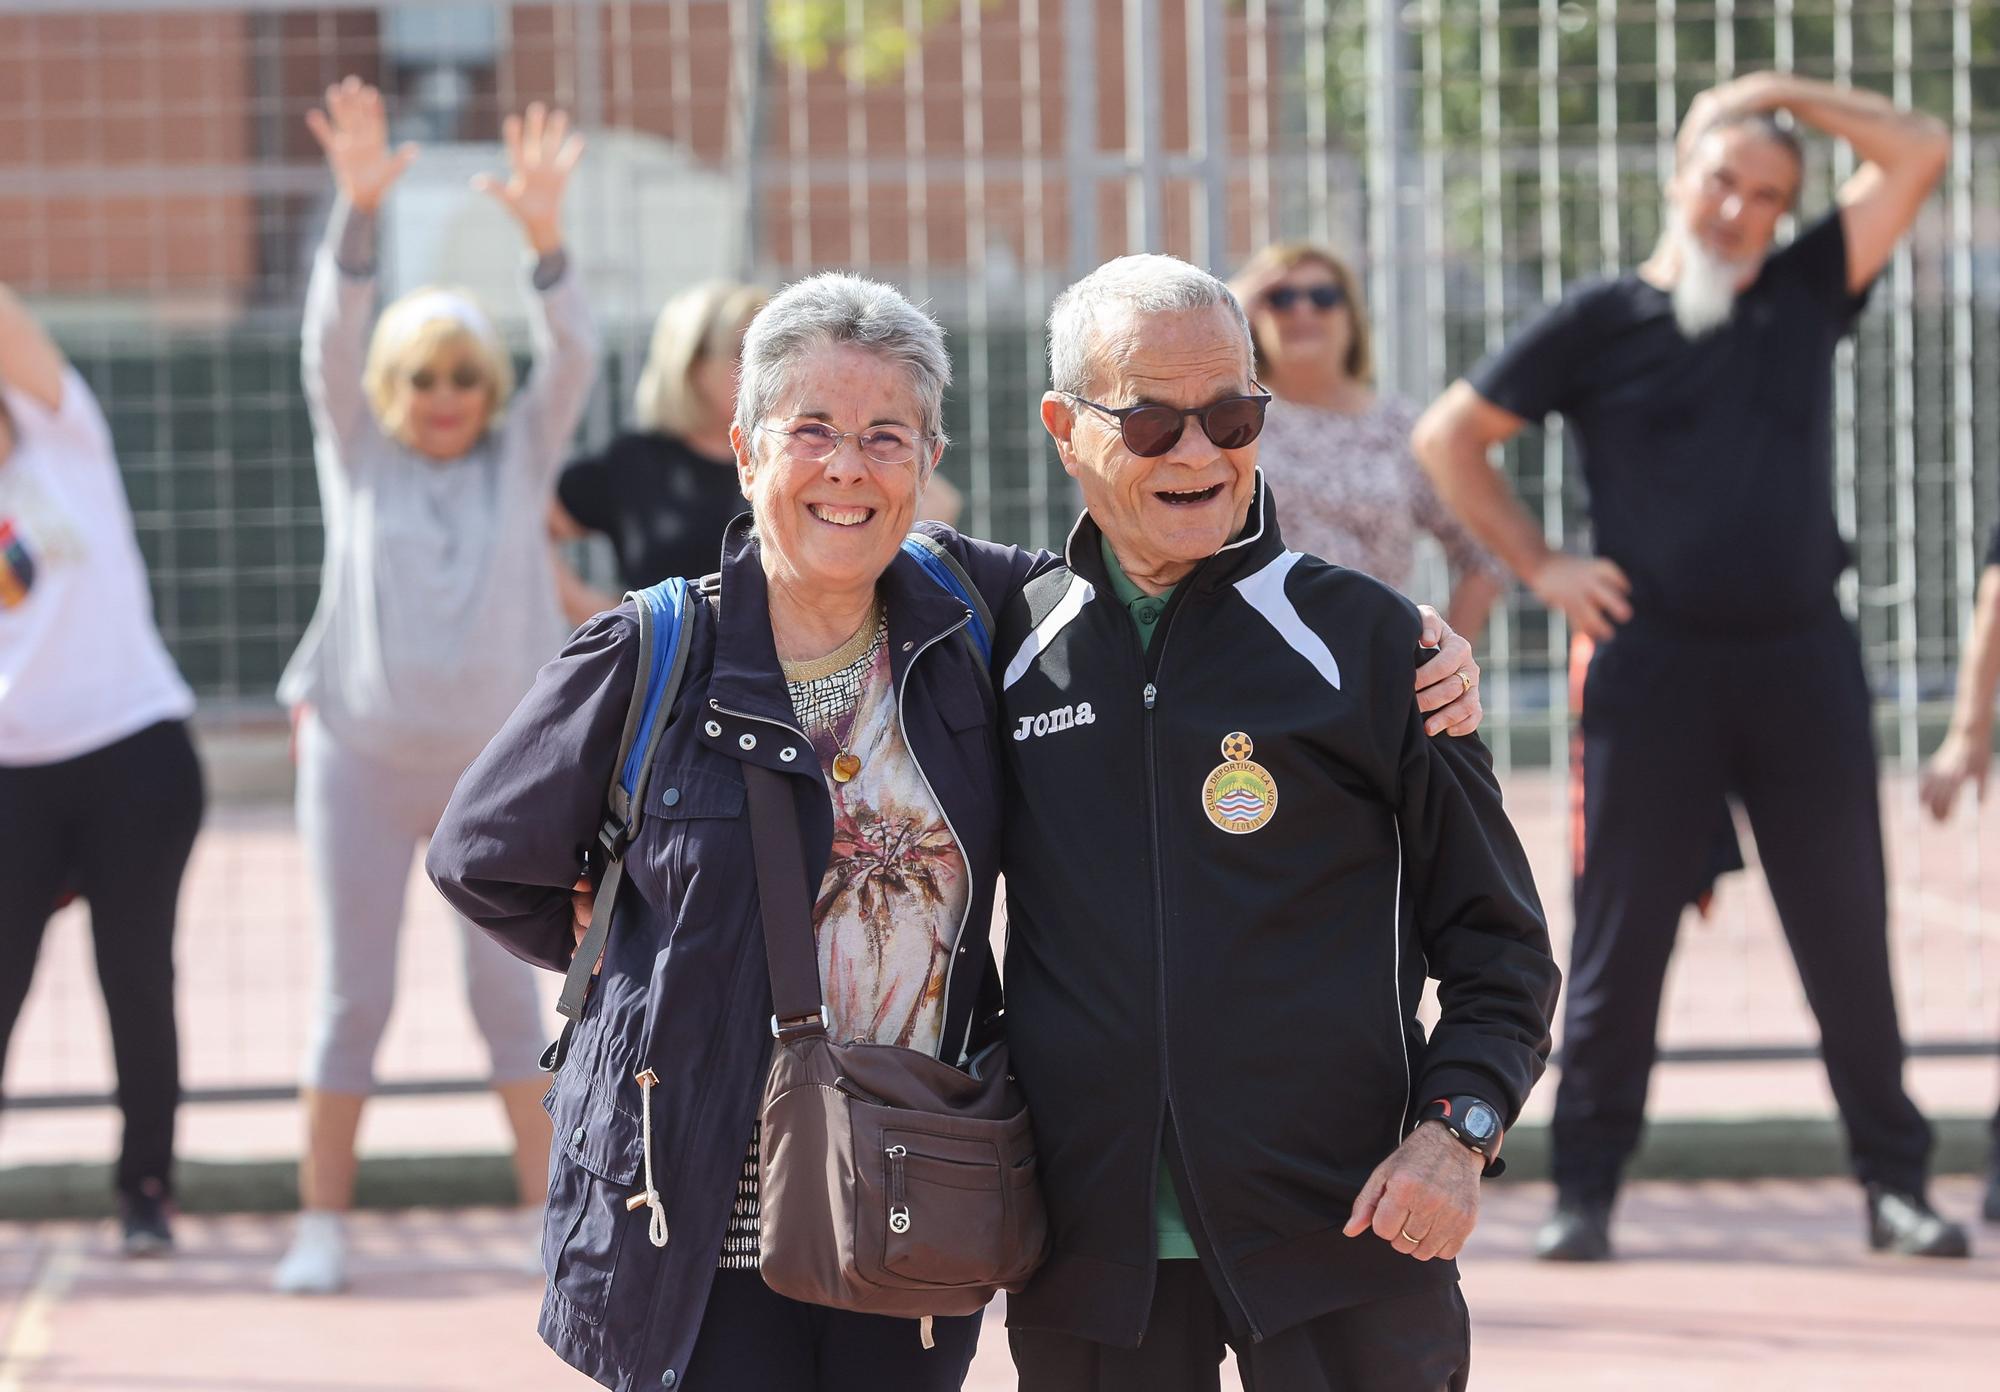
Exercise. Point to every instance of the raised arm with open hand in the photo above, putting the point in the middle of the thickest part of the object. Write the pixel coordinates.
(30, 362)
(354, 133)
(541, 152)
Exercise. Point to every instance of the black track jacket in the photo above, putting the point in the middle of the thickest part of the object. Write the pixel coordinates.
(1255, 990)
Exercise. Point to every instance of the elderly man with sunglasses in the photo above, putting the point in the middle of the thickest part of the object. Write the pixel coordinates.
(1234, 854)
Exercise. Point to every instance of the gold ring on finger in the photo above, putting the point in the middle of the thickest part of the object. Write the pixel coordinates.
(1465, 681)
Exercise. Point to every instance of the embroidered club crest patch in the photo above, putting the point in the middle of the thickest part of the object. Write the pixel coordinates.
(1239, 796)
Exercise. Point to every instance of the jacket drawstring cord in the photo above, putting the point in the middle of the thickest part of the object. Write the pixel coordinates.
(656, 1225)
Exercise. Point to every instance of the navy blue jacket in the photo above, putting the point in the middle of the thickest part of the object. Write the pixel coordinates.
(684, 989)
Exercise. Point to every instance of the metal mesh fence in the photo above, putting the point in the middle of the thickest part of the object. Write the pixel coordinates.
(159, 200)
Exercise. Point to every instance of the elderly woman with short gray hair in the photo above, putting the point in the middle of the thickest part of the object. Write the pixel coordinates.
(830, 655)
(825, 658)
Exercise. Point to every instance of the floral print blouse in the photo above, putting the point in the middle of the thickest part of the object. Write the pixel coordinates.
(1350, 491)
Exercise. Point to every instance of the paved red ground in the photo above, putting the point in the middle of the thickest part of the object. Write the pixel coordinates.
(247, 965)
(1725, 1286)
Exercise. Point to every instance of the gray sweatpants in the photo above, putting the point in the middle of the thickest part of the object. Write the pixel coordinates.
(362, 821)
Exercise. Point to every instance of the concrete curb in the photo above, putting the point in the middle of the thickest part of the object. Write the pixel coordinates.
(1763, 1148)
(1754, 1148)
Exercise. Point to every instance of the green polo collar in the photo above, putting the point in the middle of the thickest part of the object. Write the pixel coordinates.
(1144, 608)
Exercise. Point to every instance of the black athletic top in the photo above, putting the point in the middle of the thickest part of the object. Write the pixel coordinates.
(1232, 859)
(663, 506)
(1709, 463)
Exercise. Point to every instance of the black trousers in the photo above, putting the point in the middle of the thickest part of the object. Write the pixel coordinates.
(114, 827)
(1421, 1342)
(1671, 725)
(752, 1337)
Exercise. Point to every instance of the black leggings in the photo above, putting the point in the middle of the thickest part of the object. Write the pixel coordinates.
(113, 827)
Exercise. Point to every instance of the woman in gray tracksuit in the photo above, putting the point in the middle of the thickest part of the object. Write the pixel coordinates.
(437, 605)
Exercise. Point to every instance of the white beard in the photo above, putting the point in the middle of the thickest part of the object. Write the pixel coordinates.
(1704, 293)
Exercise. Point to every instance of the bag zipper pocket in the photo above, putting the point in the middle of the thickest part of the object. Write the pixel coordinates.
(899, 1209)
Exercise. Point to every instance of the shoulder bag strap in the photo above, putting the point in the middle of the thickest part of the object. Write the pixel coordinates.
(797, 1007)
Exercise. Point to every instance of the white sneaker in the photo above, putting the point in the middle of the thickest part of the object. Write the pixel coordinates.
(317, 1262)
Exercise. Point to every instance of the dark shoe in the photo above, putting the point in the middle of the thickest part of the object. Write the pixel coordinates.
(1578, 1231)
(143, 1219)
(1905, 1224)
(1990, 1210)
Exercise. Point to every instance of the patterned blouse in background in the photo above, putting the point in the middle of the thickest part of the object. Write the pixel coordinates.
(1350, 491)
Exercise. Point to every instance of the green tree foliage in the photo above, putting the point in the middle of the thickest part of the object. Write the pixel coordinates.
(1500, 77)
(1703, 48)
(871, 39)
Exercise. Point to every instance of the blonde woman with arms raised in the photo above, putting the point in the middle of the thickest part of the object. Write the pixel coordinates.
(437, 605)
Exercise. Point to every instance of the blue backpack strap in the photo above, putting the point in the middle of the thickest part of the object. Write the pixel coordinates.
(663, 645)
(662, 661)
(944, 568)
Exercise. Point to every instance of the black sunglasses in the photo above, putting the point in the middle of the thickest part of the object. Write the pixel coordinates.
(1150, 429)
(464, 377)
(1323, 297)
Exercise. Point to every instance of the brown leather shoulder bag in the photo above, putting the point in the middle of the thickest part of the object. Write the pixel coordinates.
(891, 1183)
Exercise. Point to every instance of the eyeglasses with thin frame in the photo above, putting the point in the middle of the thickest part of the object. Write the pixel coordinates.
(814, 442)
(464, 377)
(1325, 298)
(1150, 429)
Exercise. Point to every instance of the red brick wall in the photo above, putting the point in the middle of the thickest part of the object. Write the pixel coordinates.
(123, 132)
(117, 118)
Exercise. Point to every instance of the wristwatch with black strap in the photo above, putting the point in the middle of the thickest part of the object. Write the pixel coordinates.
(1474, 1123)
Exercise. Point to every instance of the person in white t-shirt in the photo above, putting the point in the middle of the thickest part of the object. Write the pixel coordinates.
(100, 790)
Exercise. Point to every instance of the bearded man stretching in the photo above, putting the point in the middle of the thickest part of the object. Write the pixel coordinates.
(1699, 394)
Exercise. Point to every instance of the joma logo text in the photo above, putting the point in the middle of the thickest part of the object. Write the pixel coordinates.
(1061, 718)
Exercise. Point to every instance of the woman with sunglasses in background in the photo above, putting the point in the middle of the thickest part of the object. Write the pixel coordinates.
(1335, 450)
(437, 606)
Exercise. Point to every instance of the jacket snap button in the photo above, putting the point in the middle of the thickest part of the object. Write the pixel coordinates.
(908, 646)
(746, 741)
(788, 753)
(669, 1378)
(576, 1136)
(712, 730)
(671, 796)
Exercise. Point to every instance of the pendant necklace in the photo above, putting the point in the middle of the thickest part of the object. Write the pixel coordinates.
(835, 706)
(846, 763)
